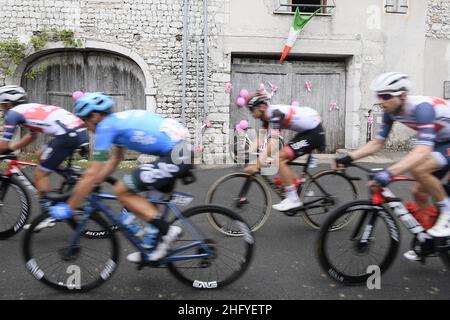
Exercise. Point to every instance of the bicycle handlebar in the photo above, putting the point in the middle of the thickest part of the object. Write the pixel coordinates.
(374, 171)
(58, 197)
(368, 170)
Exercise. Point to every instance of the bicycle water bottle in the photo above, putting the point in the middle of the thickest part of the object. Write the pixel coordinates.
(128, 219)
(150, 237)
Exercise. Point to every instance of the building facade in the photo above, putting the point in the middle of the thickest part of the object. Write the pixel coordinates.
(150, 54)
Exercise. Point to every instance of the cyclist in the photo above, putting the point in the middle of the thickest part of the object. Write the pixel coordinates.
(140, 131)
(310, 136)
(429, 160)
(68, 131)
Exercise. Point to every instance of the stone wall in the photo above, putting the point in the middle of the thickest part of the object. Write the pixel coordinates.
(438, 19)
(153, 30)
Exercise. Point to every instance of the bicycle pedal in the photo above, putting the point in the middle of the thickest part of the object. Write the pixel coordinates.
(291, 213)
(152, 264)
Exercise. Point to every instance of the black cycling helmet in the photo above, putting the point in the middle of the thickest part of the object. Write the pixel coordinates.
(256, 99)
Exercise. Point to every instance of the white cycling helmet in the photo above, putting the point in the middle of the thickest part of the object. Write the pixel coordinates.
(394, 83)
(13, 94)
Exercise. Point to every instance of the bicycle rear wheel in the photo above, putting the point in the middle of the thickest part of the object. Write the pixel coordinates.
(15, 206)
(79, 268)
(324, 191)
(254, 206)
(229, 257)
(369, 241)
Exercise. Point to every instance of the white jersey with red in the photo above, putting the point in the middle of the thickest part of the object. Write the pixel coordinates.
(50, 120)
(429, 116)
(295, 118)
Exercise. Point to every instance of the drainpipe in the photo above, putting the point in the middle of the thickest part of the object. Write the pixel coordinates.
(197, 79)
(185, 40)
(205, 60)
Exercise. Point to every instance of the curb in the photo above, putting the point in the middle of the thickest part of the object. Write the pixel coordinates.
(324, 158)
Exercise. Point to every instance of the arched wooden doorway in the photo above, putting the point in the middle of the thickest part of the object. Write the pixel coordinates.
(86, 70)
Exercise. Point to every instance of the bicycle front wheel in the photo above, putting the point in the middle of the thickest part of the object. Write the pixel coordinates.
(245, 194)
(368, 242)
(224, 260)
(322, 193)
(53, 257)
(15, 207)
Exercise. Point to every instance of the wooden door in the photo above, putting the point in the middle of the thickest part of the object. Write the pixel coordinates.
(327, 90)
(88, 71)
(326, 95)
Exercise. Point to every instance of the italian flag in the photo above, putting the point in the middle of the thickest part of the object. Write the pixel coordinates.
(297, 25)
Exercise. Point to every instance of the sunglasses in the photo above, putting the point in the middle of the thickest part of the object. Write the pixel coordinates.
(385, 96)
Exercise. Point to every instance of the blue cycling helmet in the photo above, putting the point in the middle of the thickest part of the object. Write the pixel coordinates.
(95, 101)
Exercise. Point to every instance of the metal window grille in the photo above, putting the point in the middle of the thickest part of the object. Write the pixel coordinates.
(305, 6)
(396, 6)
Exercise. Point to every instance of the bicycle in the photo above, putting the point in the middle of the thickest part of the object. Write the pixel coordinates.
(374, 227)
(54, 255)
(16, 206)
(242, 146)
(250, 196)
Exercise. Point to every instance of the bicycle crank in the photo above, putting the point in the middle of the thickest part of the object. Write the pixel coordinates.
(212, 253)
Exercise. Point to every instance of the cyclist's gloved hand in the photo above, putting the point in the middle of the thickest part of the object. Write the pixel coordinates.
(383, 178)
(60, 211)
(343, 160)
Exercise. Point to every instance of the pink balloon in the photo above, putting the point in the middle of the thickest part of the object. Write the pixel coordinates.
(295, 103)
(238, 127)
(243, 124)
(77, 95)
(244, 93)
(240, 102)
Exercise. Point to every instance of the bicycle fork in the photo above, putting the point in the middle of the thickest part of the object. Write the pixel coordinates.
(242, 196)
(73, 248)
(367, 233)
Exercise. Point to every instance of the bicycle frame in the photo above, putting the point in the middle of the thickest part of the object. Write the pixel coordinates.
(245, 139)
(95, 204)
(13, 168)
(278, 190)
(383, 195)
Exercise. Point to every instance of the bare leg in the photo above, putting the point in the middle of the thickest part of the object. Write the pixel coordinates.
(134, 202)
(427, 181)
(41, 181)
(421, 197)
(286, 173)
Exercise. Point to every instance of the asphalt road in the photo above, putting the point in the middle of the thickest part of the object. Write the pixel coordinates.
(284, 267)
